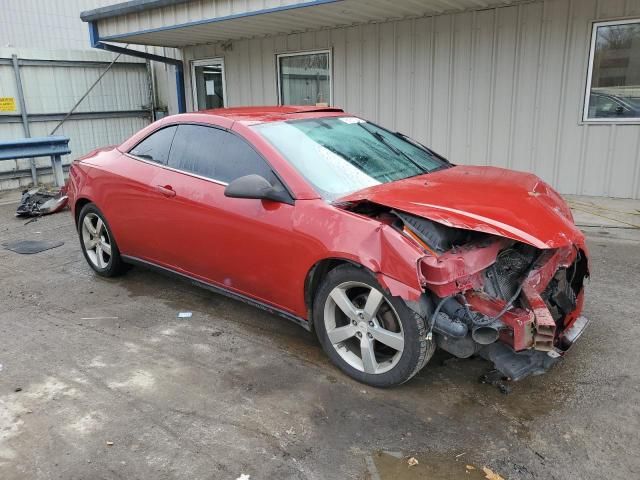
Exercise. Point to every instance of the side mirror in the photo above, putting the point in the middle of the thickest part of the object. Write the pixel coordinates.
(256, 187)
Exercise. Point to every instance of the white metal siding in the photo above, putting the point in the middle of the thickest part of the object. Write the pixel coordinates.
(51, 24)
(57, 89)
(502, 87)
(54, 88)
(56, 25)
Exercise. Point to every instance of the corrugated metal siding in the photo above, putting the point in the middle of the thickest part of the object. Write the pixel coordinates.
(57, 89)
(45, 23)
(56, 25)
(54, 88)
(500, 87)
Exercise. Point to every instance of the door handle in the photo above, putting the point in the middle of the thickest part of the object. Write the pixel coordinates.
(166, 190)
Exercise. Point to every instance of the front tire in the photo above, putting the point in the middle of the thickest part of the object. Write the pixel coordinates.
(370, 335)
(98, 243)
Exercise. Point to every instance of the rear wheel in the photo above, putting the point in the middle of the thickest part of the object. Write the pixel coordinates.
(370, 335)
(98, 244)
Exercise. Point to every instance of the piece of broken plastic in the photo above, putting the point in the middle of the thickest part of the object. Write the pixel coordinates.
(40, 201)
(53, 205)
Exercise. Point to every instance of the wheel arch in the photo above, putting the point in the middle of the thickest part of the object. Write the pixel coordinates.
(317, 273)
(413, 297)
(321, 268)
(78, 206)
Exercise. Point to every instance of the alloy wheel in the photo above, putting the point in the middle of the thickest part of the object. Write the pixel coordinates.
(96, 241)
(363, 327)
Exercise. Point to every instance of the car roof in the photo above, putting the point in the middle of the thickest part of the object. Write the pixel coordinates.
(272, 113)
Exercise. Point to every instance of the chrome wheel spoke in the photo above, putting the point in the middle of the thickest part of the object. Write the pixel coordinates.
(340, 334)
(374, 300)
(99, 258)
(89, 226)
(99, 226)
(339, 296)
(389, 338)
(89, 243)
(106, 248)
(368, 356)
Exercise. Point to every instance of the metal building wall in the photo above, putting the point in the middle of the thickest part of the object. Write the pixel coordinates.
(52, 83)
(502, 87)
(51, 24)
(56, 25)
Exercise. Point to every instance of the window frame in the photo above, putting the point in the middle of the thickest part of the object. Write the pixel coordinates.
(202, 177)
(157, 130)
(203, 63)
(587, 95)
(298, 53)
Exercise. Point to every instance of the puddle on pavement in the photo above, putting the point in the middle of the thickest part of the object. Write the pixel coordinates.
(432, 466)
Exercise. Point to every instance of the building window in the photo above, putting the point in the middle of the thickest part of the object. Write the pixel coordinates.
(304, 78)
(207, 78)
(613, 86)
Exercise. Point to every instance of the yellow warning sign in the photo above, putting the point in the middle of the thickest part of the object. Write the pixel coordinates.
(7, 104)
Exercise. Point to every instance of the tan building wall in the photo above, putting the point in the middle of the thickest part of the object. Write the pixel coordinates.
(502, 86)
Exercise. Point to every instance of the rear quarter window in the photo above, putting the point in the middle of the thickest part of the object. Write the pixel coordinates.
(156, 147)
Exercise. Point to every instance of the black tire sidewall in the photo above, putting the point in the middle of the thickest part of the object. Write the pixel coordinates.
(115, 266)
(413, 327)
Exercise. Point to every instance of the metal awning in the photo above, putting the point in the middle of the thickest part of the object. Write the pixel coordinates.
(180, 23)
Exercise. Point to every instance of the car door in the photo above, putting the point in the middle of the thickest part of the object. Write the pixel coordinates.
(242, 245)
(133, 200)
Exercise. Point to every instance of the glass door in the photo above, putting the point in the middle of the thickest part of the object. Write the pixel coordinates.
(207, 78)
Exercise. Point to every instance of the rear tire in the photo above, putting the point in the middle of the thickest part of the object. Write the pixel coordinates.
(370, 335)
(98, 243)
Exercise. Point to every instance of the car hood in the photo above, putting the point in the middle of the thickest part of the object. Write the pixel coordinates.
(493, 200)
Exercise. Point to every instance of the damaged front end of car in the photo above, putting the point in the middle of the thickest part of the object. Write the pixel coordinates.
(516, 303)
(512, 303)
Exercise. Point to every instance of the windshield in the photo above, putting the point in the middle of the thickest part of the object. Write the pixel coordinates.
(340, 155)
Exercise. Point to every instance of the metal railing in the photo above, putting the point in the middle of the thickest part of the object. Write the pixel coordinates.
(52, 146)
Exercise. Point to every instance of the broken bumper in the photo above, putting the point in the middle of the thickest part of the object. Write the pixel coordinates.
(571, 334)
(518, 365)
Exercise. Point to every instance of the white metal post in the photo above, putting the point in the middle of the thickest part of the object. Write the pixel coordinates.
(23, 113)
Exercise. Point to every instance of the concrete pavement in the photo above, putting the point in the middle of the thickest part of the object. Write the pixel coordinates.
(112, 384)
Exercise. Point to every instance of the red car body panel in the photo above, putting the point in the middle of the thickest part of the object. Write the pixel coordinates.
(487, 199)
(266, 250)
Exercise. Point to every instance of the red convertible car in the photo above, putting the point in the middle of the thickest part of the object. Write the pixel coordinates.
(372, 240)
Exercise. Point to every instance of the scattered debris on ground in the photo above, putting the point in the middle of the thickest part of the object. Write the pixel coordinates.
(491, 475)
(498, 380)
(41, 201)
(185, 314)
